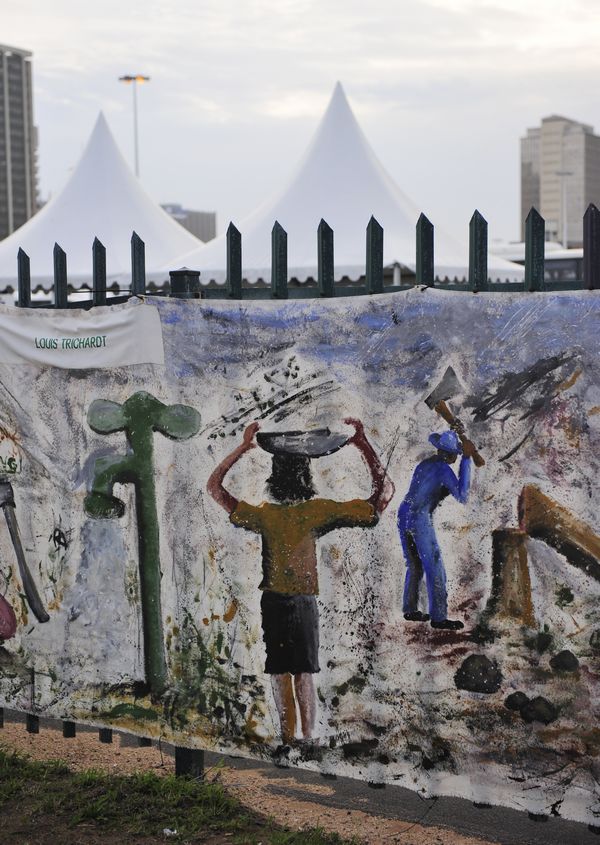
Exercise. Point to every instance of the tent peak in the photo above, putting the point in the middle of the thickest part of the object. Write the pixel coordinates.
(339, 113)
(102, 138)
(339, 95)
(101, 199)
(101, 120)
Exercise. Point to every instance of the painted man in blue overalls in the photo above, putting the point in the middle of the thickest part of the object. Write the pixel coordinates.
(432, 481)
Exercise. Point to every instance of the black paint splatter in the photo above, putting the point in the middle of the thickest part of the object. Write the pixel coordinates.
(513, 387)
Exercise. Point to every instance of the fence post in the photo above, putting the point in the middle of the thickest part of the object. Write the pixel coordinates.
(535, 227)
(189, 761)
(98, 273)
(105, 735)
(185, 284)
(69, 730)
(591, 248)
(1, 717)
(374, 268)
(325, 271)
(144, 742)
(32, 723)
(61, 296)
(23, 280)
(138, 265)
(279, 270)
(424, 259)
(478, 248)
(234, 262)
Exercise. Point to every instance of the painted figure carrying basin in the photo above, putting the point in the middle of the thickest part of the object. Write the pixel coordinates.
(289, 527)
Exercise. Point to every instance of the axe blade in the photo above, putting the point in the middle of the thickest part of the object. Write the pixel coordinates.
(448, 387)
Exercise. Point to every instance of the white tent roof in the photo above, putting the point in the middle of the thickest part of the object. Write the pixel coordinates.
(341, 181)
(102, 198)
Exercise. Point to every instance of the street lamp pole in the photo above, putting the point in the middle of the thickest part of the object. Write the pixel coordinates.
(134, 79)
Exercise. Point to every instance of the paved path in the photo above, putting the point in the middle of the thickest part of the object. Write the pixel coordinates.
(499, 824)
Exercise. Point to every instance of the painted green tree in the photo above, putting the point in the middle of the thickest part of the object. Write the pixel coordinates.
(139, 417)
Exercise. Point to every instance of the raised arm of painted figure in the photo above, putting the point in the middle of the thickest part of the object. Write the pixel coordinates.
(458, 487)
(382, 488)
(215, 483)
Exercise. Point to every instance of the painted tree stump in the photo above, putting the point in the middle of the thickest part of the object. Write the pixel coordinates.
(511, 582)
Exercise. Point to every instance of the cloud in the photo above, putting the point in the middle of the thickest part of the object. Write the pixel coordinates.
(294, 104)
(454, 82)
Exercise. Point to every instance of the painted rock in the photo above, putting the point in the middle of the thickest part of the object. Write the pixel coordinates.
(516, 700)
(539, 710)
(478, 674)
(8, 620)
(564, 661)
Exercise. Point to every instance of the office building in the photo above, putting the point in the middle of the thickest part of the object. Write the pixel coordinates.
(202, 224)
(560, 176)
(18, 141)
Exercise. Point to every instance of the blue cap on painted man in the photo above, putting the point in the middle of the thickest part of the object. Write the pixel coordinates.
(447, 441)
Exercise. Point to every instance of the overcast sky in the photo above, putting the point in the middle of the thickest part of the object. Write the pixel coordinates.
(443, 90)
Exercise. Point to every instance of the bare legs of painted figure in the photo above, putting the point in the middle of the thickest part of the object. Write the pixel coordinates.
(287, 689)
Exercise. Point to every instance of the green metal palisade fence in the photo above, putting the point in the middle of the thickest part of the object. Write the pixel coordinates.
(185, 283)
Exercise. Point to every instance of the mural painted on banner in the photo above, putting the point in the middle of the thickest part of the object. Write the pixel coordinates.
(357, 534)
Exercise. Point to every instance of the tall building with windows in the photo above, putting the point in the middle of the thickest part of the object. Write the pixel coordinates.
(18, 141)
(560, 176)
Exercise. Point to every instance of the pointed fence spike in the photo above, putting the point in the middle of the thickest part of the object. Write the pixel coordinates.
(138, 265)
(23, 280)
(234, 262)
(98, 273)
(325, 269)
(374, 263)
(591, 248)
(535, 229)
(424, 258)
(279, 269)
(478, 248)
(61, 297)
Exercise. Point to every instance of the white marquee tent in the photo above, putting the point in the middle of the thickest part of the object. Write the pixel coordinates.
(102, 198)
(341, 181)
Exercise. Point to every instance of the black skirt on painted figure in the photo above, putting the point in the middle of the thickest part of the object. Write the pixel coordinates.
(291, 633)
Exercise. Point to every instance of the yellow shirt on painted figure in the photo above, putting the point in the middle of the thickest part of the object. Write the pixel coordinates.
(289, 532)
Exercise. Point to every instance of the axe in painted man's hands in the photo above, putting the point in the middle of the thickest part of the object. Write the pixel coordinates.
(448, 387)
(7, 503)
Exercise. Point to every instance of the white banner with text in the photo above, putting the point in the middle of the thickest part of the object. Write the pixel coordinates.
(111, 336)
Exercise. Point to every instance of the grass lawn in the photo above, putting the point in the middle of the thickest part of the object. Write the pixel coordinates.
(45, 803)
